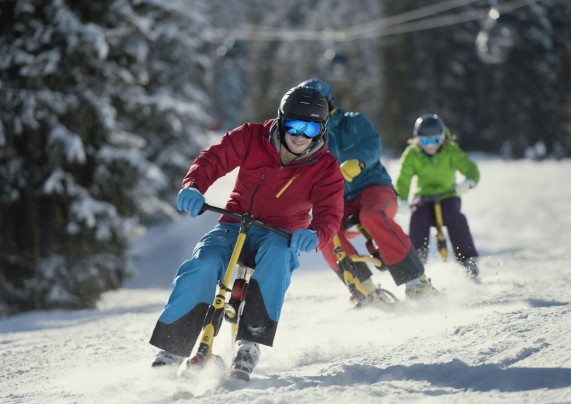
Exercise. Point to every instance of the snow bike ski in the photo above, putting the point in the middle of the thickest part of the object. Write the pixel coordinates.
(221, 309)
(354, 268)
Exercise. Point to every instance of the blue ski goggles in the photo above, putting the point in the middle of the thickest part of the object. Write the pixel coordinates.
(297, 127)
(426, 141)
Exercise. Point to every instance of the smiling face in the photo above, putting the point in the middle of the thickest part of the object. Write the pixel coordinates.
(431, 144)
(297, 144)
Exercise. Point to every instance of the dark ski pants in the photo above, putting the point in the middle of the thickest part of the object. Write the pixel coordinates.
(376, 208)
(423, 218)
(195, 284)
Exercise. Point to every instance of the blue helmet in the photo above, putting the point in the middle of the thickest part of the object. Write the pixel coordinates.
(323, 89)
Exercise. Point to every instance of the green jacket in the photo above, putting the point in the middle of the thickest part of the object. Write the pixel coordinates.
(434, 174)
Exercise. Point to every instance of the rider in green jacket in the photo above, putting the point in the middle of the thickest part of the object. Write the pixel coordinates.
(434, 159)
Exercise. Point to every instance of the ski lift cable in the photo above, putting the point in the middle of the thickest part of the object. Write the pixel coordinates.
(452, 19)
(361, 30)
(398, 24)
(256, 33)
(433, 23)
(407, 16)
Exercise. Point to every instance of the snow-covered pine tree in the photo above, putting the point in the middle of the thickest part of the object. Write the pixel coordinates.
(102, 108)
(438, 70)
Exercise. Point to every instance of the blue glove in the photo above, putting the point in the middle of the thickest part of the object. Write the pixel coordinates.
(190, 200)
(304, 240)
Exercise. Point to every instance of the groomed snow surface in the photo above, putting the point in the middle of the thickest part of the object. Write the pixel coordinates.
(507, 340)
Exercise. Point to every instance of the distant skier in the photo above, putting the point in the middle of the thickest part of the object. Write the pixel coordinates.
(286, 171)
(369, 194)
(434, 158)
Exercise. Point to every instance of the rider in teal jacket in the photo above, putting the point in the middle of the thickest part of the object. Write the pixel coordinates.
(369, 196)
(351, 136)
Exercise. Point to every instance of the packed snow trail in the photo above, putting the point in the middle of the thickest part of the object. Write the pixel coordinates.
(506, 340)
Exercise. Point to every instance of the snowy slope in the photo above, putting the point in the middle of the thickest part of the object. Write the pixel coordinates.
(505, 341)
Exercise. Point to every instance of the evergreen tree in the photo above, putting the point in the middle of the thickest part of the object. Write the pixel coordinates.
(97, 113)
(254, 73)
(438, 70)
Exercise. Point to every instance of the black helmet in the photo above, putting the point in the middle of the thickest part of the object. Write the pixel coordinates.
(429, 125)
(304, 103)
(323, 89)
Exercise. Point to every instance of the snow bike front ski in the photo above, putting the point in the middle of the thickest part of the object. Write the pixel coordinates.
(221, 309)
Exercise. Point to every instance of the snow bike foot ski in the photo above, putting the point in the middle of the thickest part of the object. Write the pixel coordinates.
(238, 374)
(193, 366)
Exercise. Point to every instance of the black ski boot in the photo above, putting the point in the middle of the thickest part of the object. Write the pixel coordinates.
(245, 360)
(471, 266)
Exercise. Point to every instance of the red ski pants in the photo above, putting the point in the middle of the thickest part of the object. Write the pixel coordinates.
(376, 208)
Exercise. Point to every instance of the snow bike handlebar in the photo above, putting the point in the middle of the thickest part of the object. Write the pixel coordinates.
(246, 218)
(437, 197)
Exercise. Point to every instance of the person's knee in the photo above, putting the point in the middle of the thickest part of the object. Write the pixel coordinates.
(284, 259)
(195, 267)
(277, 254)
(187, 267)
(370, 218)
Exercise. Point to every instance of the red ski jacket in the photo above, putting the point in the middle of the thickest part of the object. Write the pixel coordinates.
(285, 194)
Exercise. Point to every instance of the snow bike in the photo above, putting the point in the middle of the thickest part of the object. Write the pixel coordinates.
(441, 238)
(441, 243)
(221, 309)
(354, 268)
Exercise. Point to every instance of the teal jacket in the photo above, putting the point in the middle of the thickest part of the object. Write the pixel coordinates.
(352, 136)
(434, 174)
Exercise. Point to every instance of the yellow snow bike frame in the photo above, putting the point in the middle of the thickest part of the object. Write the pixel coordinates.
(220, 308)
(441, 243)
(346, 263)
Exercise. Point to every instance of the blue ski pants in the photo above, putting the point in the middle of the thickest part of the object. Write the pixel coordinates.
(197, 279)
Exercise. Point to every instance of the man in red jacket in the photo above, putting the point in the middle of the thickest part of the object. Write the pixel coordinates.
(285, 163)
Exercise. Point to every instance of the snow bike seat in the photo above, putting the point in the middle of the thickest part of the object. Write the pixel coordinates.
(247, 259)
(350, 221)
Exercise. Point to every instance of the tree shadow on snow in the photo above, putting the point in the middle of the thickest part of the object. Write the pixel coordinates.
(459, 375)
(545, 303)
(44, 320)
(455, 374)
